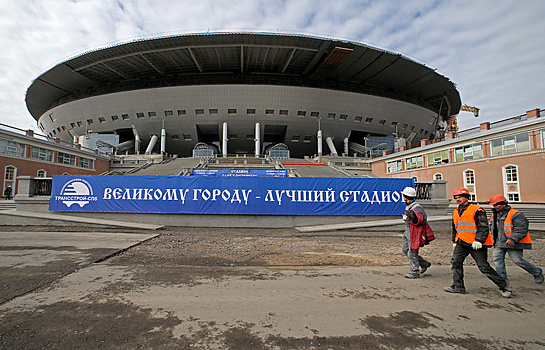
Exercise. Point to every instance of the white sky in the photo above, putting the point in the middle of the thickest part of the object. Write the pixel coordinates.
(493, 50)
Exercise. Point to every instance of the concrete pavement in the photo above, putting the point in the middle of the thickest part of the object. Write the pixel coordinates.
(91, 303)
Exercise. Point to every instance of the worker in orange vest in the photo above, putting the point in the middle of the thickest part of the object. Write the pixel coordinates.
(509, 229)
(471, 236)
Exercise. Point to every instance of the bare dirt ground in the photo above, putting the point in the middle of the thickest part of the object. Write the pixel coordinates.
(198, 288)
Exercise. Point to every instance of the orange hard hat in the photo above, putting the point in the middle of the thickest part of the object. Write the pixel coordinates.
(497, 198)
(460, 191)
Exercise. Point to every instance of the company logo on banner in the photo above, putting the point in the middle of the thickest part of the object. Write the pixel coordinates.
(229, 195)
(77, 191)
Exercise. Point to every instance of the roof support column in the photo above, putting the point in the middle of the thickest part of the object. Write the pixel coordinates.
(257, 139)
(151, 144)
(329, 142)
(224, 140)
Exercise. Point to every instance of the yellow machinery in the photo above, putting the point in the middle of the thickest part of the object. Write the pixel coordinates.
(453, 123)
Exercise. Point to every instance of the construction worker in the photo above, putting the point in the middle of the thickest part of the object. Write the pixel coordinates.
(417, 233)
(509, 229)
(471, 236)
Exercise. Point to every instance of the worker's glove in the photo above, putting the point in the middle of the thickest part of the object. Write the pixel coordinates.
(453, 245)
(404, 217)
(476, 245)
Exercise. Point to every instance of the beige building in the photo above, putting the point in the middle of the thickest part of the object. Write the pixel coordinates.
(505, 157)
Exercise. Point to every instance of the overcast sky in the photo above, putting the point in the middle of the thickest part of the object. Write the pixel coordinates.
(493, 51)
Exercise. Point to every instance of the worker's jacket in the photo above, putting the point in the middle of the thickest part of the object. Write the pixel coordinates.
(511, 224)
(466, 228)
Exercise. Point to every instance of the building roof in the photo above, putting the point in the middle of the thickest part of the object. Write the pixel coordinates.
(244, 58)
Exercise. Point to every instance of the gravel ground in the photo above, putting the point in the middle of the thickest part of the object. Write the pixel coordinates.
(288, 248)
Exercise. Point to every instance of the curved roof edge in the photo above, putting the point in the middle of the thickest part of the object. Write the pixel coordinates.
(280, 54)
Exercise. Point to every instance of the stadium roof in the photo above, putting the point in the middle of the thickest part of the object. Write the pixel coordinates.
(250, 58)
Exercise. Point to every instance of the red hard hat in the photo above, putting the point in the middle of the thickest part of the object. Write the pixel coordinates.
(460, 191)
(497, 198)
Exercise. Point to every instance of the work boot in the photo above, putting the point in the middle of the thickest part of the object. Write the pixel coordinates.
(424, 268)
(539, 279)
(452, 289)
(410, 275)
(506, 293)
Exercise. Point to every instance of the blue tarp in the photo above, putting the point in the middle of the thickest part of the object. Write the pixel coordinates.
(228, 195)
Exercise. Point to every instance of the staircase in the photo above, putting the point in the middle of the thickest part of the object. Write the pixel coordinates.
(7, 204)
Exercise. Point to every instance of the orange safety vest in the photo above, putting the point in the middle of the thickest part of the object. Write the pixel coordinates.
(508, 226)
(466, 228)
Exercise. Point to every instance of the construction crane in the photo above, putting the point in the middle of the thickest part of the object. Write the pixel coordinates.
(452, 123)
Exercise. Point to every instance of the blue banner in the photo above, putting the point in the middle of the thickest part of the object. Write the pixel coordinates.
(228, 195)
(241, 172)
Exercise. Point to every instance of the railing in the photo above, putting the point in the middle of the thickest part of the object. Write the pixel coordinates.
(422, 190)
(42, 186)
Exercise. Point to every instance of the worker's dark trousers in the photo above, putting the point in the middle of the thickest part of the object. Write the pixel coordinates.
(481, 258)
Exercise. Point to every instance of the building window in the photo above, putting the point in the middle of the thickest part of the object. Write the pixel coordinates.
(52, 117)
(382, 121)
(394, 166)
(89, 122)
(368, 120)
(139, 115)
(439, 157)
(394, 124)
(125, 116)
(9, 174)
(474, 151)
(432, 120)
(152, 114)
(510, 144)
(513, 197)
(295, 138)
(169, 113)
(404, 126)
(358, 118)
(100, 120)
(469, 177)
(438, 176)
(65, 158)
(307, 138)
(12, 148)
(269, 111)
(199, 111)
(301, 113)
(115, 117)
(175, 137)
(315, 114)
(542, 138)
(414, 162)
(182, 112)
(283, 112)
(73, 125)
(212, 111)
(232, 111)
(187, 137)
(41, 173)
(469, 183)
(511, 174)
(343, 116)
(86, 163)
(250, 111)
(511, 184)
(42, 154)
